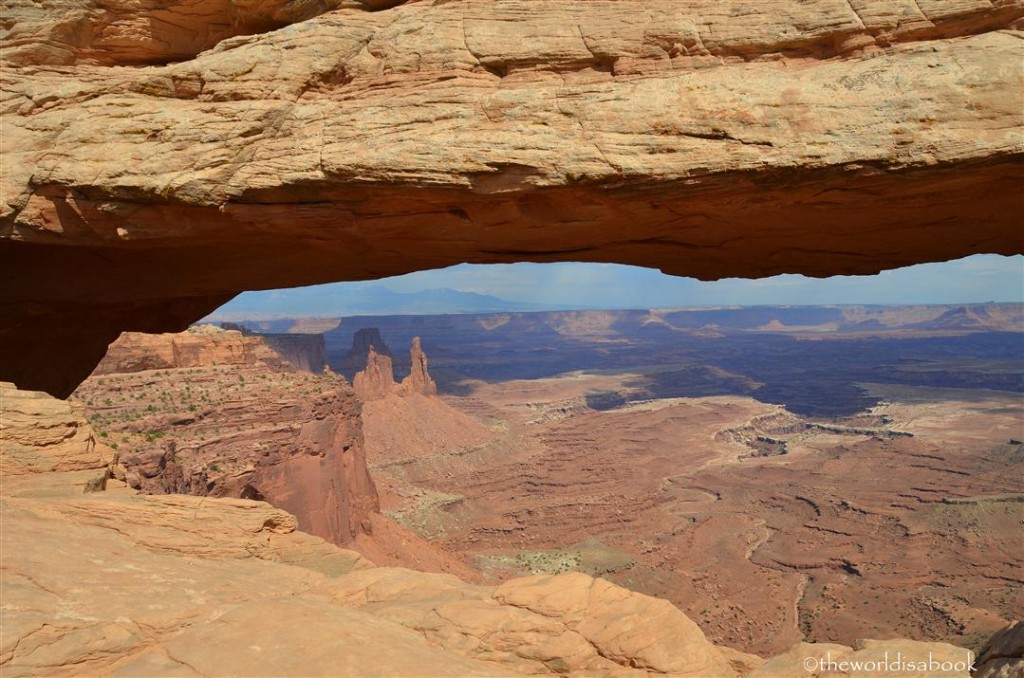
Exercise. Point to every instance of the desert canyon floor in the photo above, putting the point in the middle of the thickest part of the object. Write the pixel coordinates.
(779, 535)
(858, 530)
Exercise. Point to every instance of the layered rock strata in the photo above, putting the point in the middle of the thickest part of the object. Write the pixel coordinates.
(1003, 654)
(246, 593)
(40, 433)
(251, 428)
(215, 413)
(207, 346)
(706, 139)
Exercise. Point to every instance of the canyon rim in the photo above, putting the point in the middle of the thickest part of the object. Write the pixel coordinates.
(159, 158)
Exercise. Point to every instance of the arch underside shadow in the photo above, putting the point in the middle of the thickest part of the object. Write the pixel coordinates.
(64, 304)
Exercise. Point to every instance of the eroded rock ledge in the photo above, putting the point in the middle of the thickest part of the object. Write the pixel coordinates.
(238, 582)
(703, 138)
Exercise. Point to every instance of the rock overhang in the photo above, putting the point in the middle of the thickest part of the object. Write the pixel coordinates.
(702, 139)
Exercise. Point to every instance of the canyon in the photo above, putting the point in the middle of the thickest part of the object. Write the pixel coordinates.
(810, 359)
(767, 528)
(838, 519)
(233, 417)
(556, 493)
(719, 492)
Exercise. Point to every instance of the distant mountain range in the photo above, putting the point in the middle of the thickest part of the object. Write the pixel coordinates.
(321, 309)
(346, 300)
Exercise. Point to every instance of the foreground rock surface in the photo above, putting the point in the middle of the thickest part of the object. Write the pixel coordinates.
(40, 433)
(115, 583)
(1003, 655)
(706, 139)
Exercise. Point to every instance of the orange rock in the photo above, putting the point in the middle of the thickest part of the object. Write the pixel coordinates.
(419, 380)
(377, 380)
(114, 583)
(39, 433)
(207, 345)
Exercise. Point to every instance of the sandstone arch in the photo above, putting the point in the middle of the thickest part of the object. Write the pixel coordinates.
(704, 138)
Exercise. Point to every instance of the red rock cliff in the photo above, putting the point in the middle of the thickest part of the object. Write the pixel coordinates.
(207, 345)
(215, 413)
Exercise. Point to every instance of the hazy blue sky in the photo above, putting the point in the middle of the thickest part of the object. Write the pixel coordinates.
(974, 279)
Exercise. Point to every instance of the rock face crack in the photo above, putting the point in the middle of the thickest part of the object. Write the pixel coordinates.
(601, 63)
(717, 134)
(497, 70)
(853, 8)
(920, 9)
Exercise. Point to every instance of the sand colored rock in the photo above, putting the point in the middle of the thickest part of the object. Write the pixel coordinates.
(565, 624)
(1003, 654)
(626, 627)
(706, 139)
(39, 433)
(137, 33)
(894, 657)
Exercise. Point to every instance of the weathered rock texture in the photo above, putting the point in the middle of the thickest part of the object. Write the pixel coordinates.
(207, 345)
(1003, 654)
(377, 379)
(236, 429)
(40, 433)
(242, 592)
(708, 139)
(250, 427)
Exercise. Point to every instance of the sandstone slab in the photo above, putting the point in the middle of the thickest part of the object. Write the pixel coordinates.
(40, 433)
(1003, 654)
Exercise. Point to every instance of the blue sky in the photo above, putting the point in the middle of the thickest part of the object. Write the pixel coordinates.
(974, 279)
